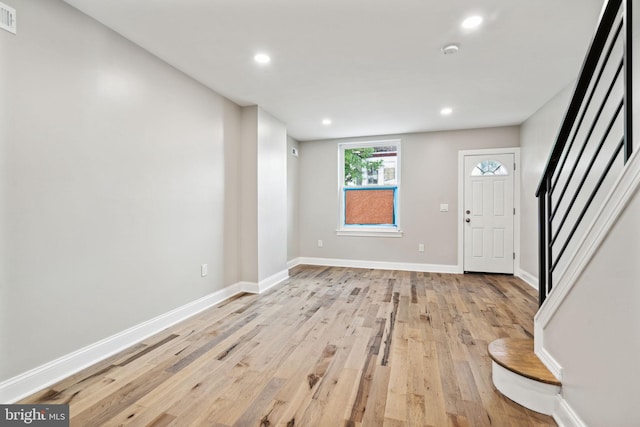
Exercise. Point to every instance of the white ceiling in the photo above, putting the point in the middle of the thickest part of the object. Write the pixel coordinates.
(373, 66)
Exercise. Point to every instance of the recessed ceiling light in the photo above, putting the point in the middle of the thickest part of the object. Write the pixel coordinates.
(446, 111)
(472, 22)
(450, 48)
(262, 58)
(326, 122)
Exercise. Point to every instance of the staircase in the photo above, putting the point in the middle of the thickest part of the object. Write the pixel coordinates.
(521, 376)
(592, 149)
(586, 170)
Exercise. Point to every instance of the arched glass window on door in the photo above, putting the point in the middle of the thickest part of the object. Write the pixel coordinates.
(489, 168)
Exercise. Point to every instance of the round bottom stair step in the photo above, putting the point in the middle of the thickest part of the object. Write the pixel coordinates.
(521, 376)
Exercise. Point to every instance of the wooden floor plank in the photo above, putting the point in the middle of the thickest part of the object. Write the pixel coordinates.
(331, 346)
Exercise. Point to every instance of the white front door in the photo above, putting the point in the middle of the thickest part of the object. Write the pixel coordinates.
(488, 213)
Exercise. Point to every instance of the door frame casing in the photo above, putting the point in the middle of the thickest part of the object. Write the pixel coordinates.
(516, 202)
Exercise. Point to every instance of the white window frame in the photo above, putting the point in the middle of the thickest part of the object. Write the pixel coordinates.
(370, 230)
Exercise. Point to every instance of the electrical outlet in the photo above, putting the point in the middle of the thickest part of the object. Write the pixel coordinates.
(204, 269)
(421, 247)
(320, 243)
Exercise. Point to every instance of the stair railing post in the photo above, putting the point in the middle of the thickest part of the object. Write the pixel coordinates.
(542, 244)
(628, 79)
(549, 237)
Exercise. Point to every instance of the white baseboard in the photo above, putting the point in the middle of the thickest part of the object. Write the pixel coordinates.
(564, 414)
(36, 379)
(249, 287)
(272, 281)
(528, 278)
(552, 364)
(293, 262)
(265, 284)
(380, 265)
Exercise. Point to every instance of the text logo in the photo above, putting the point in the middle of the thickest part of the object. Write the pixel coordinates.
(34, 415)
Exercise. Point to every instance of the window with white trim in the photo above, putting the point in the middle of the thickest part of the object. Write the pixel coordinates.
(369, 188)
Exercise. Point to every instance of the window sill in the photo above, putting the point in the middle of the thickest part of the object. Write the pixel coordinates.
(370, 233)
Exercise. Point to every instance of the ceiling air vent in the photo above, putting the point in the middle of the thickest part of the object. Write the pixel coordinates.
(7, 18)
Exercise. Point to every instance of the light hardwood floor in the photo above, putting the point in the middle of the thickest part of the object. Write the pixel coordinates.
(329, 347)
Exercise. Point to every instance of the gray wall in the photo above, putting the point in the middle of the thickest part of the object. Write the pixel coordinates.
(114, 173)
(4, 287)
(537, 136)
(272, 195)
(263, 205)
(429, 177)
(232, 118)
(293, 179)
(248, 169)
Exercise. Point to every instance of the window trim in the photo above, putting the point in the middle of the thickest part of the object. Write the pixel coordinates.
(370, 230)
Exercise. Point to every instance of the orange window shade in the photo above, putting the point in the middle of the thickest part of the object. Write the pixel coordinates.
(369, 207)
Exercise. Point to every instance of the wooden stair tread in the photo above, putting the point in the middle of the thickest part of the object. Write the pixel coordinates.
(517, 355)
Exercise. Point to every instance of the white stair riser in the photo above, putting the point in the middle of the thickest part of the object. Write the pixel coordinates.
(531, 394)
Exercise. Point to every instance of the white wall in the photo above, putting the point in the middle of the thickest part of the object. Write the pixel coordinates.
(537, 136)
(114, 168)
(429, 178)
(293, 179)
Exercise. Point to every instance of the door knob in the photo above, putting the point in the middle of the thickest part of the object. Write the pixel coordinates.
(467, 220)
(468, 212)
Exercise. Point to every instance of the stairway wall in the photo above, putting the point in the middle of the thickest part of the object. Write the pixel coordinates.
(537, 136)
(594, 334)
